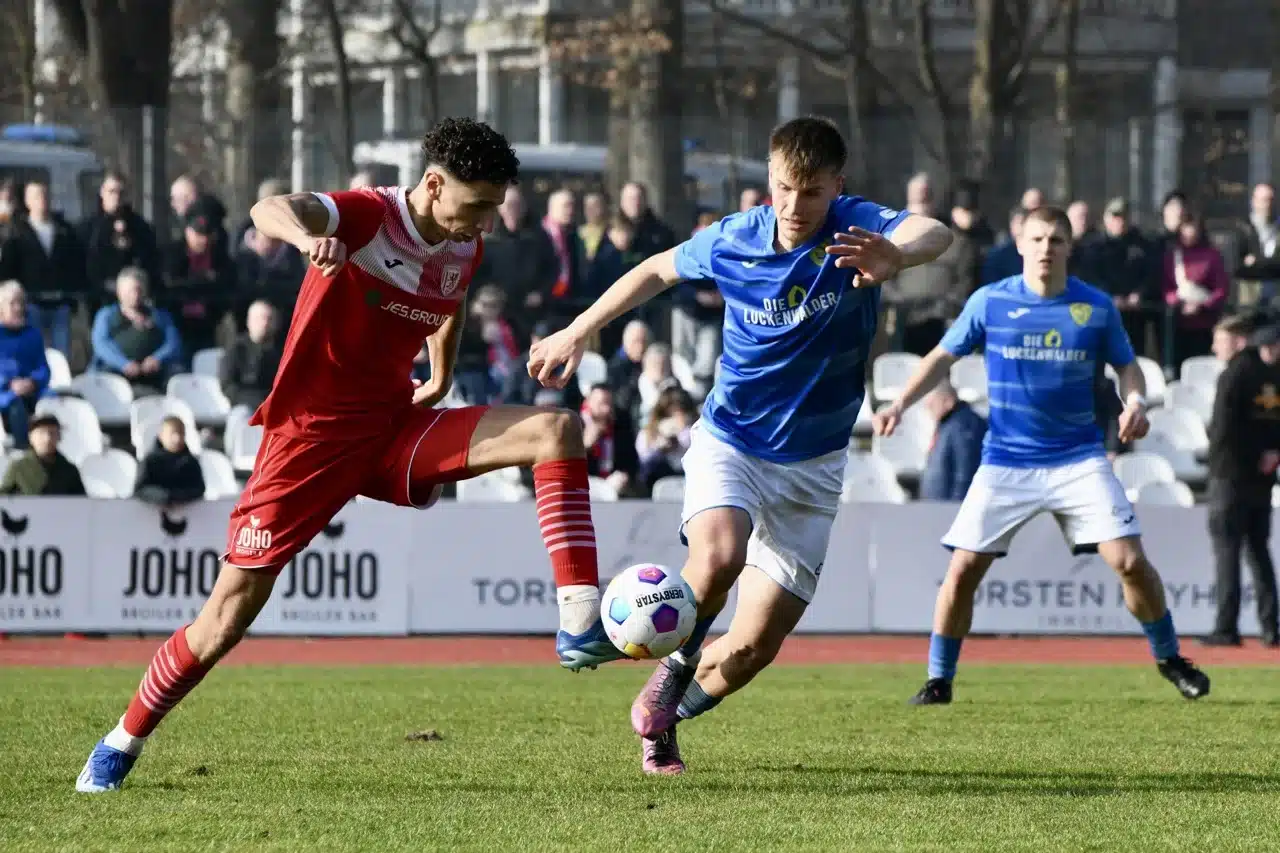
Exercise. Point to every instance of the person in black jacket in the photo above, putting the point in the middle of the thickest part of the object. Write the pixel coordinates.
(116, 237)
(1244, 452)
(248, 367)
(45, 254)
(170, 474)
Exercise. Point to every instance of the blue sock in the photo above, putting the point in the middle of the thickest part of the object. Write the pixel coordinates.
(944, 652)
(696, 701)
(699, 636)
(1162, 637)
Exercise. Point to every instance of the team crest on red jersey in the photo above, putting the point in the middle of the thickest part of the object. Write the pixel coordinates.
(449, 278)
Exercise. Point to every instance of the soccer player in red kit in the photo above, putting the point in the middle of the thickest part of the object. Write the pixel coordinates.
(389, 268)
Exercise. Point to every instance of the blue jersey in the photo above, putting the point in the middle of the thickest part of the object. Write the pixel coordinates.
(796, 333)
(1043, 357)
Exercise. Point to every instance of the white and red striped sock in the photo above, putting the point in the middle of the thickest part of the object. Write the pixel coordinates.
(564, 516)
(174, 672)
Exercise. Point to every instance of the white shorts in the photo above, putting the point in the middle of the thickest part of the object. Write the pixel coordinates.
(792, 505)
(1085, 497)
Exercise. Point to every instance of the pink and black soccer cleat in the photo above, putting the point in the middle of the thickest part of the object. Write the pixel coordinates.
(660, 755)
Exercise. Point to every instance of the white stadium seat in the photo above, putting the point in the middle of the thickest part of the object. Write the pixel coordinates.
(669, 490)
(98, 488)
(591, 371)
(219, 476)
(243, 445)
(683, 372)
(206, 362)
(1185, 466)
(114, 467)
(1192, 398)
(59, 369)
(1165, 494)
(203, 394)
(969, 378)
(1156, 383)
(81, 432)
(1138, 469)
(1183, 427)
(890, 372)
(602, 490)
(902, 451)
(109, 394)
(489, 488)
(871, 479)
(1275, 496)
(237, 417)
(1202, 370)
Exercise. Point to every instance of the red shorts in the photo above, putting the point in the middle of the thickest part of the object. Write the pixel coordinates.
(299, 484)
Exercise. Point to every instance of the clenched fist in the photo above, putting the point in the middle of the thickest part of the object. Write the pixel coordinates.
(328, 254)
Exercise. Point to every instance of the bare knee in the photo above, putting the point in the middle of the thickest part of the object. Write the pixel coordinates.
(715, 562)
(966, 571)
(227, 615)
(1126, 559)
(559, 435)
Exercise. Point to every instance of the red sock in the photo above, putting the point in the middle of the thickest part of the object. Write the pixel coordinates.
(174, 672)
(564, 514)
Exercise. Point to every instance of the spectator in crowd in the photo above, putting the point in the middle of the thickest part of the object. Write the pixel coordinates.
(522, 389)
(187, 199)
(558, 223)
(519, 256)
(1084, 239)
(362, 179)
(1032, 199)
(1004, 259)
(24, 369)
(200, 281)
(973, 233)
(661, 445)
(625, 364)
(928, 297)
(749, 198)
(8, 208)
(595, 216)
(1174, 210)
(1261, 233)
(490, 306)
(472, 379)
(115, 237)
(248, 367)
(655, 377)
(1081, 219)
(42, 470)
(170, 473)
(652, 234)
(1244, 451)
(44, 253)
(610, 439)
(957, 446)
(1129, 266)
(134, 338)
(697, 328)
(268, 188)
(616, 255)
(1196, 286)
(270, 269)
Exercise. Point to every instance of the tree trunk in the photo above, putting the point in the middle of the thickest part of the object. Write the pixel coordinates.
(253, 100)
(617, 161)
(346, 117)
(1064, 189)
(982, 93)
(657, 144)
(858, 171)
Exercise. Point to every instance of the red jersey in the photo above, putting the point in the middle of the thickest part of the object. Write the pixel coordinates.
(345, 369)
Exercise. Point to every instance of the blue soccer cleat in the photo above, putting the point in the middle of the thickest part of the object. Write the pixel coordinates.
(586, 650)
(105, 770)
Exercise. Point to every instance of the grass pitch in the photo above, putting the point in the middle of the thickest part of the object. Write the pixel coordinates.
(830, 758)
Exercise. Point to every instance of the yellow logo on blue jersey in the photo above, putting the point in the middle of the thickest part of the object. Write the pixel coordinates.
(819, 254)
(1081, 312)
(795, 298)
(1053, 338)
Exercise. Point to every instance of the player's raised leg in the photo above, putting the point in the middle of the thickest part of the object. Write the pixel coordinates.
(1144, 597)
(176, 669)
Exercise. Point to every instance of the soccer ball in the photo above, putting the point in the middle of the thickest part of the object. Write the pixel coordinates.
(648, 611)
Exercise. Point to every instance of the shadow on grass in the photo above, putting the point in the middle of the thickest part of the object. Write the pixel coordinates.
(1058, 783)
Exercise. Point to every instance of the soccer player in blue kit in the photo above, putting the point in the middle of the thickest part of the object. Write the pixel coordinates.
(765, 469)
(1047, 336)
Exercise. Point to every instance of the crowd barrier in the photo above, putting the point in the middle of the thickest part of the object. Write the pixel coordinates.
(121, 566)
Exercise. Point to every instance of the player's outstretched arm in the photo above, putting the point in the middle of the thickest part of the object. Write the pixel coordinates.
(563, 351)
(932, 368)
(304, 221)
(921, 240)
(916, 240)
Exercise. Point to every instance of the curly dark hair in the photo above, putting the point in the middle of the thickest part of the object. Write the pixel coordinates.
(471, 151)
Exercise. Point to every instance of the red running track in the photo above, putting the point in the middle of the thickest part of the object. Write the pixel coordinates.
(402, 651)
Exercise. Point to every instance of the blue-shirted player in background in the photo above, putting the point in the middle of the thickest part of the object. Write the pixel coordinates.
(1047, 337)
(765, 469)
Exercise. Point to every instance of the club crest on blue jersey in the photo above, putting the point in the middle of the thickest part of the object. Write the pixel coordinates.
(1081, 312)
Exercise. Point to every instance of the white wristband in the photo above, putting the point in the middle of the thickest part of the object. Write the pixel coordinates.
(1136, 399)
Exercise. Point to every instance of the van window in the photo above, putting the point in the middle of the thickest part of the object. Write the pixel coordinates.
(23, 175)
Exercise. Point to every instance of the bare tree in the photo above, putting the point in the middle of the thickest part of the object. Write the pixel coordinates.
(657, 142)
(18, 53)
(331, 15)
(414, 36)
(125, 48)
(253, 133)
(1064, 84)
